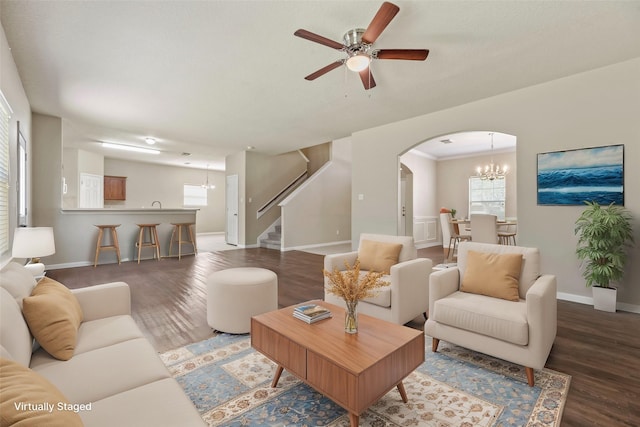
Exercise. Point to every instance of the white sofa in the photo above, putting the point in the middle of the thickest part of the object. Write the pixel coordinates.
(521, 331)
(407, 295)
(114, 368)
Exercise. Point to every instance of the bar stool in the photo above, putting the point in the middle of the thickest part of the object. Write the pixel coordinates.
(153, 241)
(114, 246)
(177, 227)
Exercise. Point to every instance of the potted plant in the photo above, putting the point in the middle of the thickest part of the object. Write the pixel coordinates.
(604, 232)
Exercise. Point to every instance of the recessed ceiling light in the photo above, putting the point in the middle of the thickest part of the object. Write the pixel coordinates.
(250, 147)
(130, 148)
(150, 140)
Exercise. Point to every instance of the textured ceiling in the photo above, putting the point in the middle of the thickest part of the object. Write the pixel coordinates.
(213, 77)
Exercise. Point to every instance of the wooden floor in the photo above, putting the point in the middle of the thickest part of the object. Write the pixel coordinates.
(601, 351)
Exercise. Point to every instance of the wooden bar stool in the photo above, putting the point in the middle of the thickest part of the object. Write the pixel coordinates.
(114, 246)
(153, 242)
(177, 227)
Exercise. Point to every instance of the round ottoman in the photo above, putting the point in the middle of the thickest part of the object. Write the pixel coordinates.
(236, 294)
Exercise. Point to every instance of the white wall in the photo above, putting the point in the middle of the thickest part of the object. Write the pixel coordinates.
(319, 211)
(594, 108)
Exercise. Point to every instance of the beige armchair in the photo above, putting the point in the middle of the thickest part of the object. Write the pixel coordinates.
(495, 302)
(407, 295)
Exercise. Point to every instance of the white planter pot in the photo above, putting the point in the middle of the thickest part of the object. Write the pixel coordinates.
(604, 299)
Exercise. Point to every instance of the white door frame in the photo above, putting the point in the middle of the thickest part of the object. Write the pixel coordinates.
(232, 203)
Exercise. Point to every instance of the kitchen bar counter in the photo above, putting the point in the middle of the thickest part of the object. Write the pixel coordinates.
(76, 233)
(131, 210)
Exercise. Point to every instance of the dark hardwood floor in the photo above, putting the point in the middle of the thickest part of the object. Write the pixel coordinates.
(601, 351)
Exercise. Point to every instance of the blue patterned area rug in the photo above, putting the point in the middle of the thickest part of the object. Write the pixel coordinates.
(230, 385)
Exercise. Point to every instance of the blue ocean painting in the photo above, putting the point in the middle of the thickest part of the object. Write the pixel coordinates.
(575, 176)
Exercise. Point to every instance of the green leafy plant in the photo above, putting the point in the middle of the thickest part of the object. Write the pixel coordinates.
(604, 233)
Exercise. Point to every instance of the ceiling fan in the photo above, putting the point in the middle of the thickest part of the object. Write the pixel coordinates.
(358, 45)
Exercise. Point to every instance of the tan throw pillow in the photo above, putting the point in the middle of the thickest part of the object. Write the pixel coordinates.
(53, 315)
(494, 275)
(28, 399)
(378, 256)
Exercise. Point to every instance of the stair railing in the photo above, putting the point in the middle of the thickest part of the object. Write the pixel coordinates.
(281, 195)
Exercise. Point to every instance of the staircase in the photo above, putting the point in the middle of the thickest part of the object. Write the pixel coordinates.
(273, 240)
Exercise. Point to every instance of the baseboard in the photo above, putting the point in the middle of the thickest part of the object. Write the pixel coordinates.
(78, 264)
(622, 306)
(317, 245)
(428, 245)
(210, 233)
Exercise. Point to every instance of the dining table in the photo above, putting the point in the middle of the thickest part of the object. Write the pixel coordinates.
(467, 222)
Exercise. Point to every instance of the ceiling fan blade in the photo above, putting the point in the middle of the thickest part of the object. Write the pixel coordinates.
(408, 54)
(367, 78)
(324, 70)
(379, 22)
(318, 39)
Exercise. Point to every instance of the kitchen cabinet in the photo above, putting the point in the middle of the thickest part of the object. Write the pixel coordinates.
(115, 187)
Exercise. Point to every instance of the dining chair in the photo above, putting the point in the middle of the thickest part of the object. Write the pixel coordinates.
(484, 228)
(507, 234)
(453, 235)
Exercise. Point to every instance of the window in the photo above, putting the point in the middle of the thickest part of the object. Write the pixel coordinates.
(22, 179)
(195, 195)
(5, 113)
(487, 196)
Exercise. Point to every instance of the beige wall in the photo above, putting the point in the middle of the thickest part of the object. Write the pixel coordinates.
(13, 91)
(318, 155)
(147, 182)
(453, 182)
(594, 108)
(319, 212)
(265, 177)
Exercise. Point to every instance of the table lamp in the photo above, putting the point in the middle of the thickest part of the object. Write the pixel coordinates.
(33, 243)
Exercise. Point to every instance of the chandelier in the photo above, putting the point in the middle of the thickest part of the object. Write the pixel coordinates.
(492, 171)
(206, 185)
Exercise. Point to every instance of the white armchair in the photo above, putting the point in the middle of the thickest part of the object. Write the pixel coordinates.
(407, 295)
(521, 330)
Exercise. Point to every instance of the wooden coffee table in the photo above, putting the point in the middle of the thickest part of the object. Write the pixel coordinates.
(353, 370)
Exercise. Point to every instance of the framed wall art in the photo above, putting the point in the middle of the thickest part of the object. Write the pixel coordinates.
(572, 177)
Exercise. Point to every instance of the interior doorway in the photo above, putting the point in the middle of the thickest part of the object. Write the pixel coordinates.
(232, 203)
(405, 202)
(441, 168)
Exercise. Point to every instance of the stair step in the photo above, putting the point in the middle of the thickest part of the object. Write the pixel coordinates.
(274, 236)
(270, 244)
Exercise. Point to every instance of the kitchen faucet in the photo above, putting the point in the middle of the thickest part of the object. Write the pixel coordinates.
(158, 202)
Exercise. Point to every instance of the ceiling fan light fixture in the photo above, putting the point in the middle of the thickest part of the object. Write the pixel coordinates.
(358, 62)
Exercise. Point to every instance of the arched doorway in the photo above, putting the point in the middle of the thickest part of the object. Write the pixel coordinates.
(442, 168)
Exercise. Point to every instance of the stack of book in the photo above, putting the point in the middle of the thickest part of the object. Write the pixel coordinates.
(311, 313)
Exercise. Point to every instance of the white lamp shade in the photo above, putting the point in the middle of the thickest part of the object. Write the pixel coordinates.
(358, 62)
(33, 242)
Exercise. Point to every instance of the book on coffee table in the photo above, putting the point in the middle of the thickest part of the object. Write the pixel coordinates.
(311, 313)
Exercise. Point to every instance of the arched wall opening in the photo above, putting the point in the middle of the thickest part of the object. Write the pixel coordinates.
(442, 168)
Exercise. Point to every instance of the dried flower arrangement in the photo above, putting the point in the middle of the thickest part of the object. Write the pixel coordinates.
(348, 284)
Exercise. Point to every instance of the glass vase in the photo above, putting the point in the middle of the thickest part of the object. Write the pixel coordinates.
(351, 317)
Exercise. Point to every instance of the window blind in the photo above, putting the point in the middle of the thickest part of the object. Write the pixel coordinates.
(195, 195)
(5, 114)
